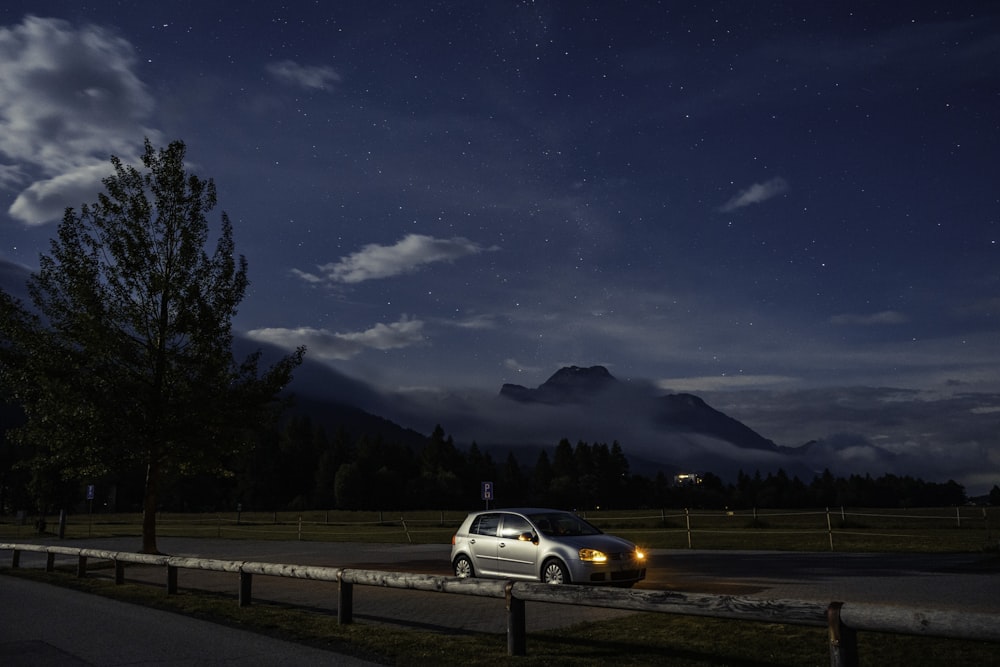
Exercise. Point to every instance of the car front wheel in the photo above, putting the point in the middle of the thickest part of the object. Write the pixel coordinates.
(463, 568)
(554, 572)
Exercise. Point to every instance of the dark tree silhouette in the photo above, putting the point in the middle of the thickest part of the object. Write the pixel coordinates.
(127, 358)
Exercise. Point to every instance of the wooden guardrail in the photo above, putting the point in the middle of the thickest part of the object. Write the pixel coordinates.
(843, 620)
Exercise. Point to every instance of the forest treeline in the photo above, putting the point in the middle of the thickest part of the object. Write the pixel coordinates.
(301, 466)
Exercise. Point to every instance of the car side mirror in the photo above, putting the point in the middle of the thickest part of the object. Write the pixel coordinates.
(526, 537)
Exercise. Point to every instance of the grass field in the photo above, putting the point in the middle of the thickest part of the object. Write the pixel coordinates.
(951, 529)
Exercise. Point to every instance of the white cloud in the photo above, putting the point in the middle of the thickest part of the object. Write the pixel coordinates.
(46, 200)
(69, 98)
(872, 319)
(474, 322)
(756, 193)
(303, 76)
(325, 344)
(724, 382)
(11, 176)
(308, 277)
(378, 261)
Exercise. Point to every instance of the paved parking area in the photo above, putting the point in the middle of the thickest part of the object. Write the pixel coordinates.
(43, 625)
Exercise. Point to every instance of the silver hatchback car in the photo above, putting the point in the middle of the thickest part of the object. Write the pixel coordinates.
(545, 545)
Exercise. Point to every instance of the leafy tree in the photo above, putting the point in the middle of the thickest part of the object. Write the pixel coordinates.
(127, 356)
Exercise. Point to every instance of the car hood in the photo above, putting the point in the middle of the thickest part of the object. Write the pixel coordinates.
(606, 543)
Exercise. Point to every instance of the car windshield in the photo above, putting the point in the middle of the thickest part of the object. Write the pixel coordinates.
(562, 524)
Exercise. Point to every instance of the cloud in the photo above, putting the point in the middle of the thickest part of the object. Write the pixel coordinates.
(873, 319)
(722, 382)
(756, 194)
(69, 98)
(303, 76)
(478, 322)
(329, 345)
(379, 261)
(46, 200)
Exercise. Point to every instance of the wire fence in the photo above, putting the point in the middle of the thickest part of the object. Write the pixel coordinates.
(965, 528)
(925, 529)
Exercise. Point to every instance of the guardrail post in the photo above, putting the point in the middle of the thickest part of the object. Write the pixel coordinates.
(516, 635)
(345, 602)
(843, 640)
(171, 580)
(81, 567)
(246, 588)
(119, 572)
(15, 559)
(50, 562)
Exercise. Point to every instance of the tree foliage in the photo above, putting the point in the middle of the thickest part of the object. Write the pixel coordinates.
(125, 361)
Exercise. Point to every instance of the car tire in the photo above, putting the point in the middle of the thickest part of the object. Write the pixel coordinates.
(554, 572)
(463, 568)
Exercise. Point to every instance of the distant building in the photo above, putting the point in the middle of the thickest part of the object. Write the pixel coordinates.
(687, 479)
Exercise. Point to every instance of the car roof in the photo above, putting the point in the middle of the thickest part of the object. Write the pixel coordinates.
(523, 510)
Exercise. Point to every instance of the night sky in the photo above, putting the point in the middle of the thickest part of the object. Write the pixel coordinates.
(791, 209)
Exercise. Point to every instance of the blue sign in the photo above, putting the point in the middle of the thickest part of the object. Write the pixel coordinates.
(487, 490)
(90, 492)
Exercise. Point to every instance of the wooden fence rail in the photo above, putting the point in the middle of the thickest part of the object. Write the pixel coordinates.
(842, 620)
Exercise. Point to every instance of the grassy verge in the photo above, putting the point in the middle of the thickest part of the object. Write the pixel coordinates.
(950, 529)
(638, 639)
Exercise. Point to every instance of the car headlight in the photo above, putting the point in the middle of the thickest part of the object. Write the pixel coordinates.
(639, 555)
(593, 555)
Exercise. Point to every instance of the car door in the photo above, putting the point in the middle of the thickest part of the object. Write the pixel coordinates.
(517, 552)
(484, 543)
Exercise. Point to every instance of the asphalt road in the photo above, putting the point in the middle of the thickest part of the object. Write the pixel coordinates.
(960, 582)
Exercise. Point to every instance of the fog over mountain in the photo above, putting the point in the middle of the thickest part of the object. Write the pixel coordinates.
(935, 434)
(852, 430)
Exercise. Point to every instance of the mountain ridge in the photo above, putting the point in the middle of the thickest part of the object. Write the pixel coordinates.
(595, 386)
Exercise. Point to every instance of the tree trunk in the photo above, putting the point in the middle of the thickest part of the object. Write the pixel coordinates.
(149, 502)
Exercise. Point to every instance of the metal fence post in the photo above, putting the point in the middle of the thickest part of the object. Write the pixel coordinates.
(829, 527)
(687, 519)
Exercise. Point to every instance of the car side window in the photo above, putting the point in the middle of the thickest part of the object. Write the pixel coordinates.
(486, 524)
(514, 526)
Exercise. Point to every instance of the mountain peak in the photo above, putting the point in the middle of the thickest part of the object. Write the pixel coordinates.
(594, 387)
(570, 384)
